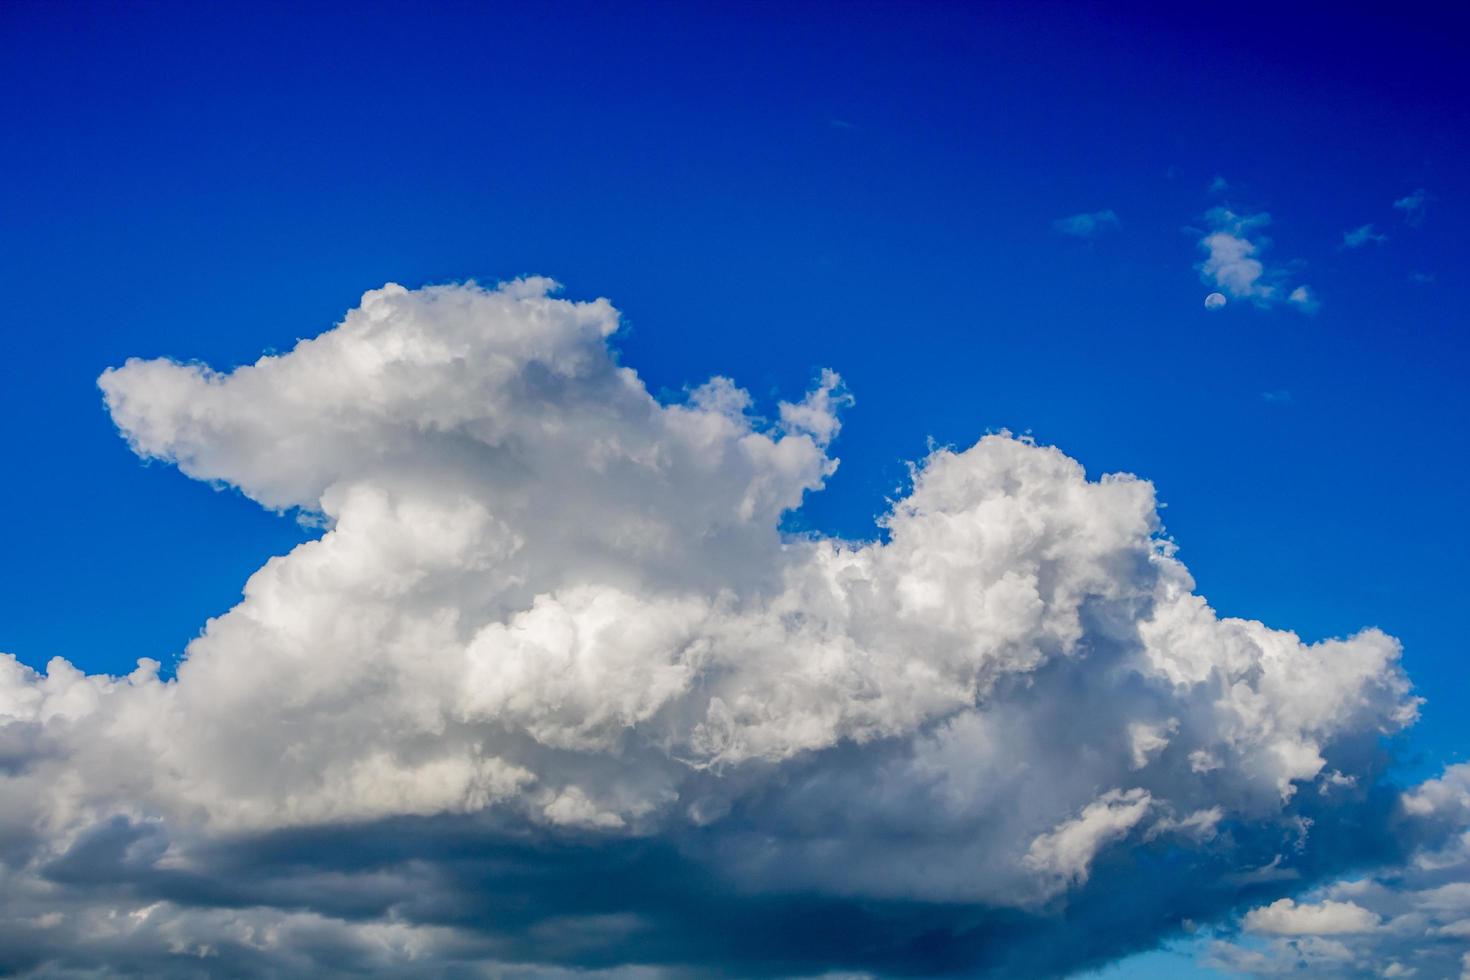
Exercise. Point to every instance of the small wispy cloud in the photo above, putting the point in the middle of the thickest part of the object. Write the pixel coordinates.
(1412, 205)
(1234, 266)
(1219, 185)
(1360, 236)
(836, 123)
(1090, 224)
(1278, 397)
(1304, 299)
(1422, 278)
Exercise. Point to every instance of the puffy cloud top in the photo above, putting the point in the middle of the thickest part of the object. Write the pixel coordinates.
(1285, 917)
(550, 611)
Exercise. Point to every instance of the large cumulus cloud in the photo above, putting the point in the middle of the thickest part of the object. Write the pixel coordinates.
(552, 690)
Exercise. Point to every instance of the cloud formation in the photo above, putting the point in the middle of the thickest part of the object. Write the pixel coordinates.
(1412, 205)
(552, 691)
(1087, 225)
(1410, 919)
(1233, 247)
(1360, 236)
(1285, 917)
(1304, 299)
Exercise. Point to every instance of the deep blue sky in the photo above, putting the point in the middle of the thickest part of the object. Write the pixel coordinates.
(765, 191)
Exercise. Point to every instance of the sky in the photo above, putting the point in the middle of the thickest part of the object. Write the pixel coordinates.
(1217, 250)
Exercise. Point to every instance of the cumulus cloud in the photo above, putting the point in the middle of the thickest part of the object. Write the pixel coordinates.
(1285, 917)
(1233, 262)
(552, 689)
(1090, 224)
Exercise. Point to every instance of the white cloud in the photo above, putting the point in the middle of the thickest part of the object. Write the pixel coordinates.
(1412, 205)
(1233, 262)
(1304, 299)
(1313, 956)
(1087, 225)
(1233, 266)
(1067, 851)
(551, 607)
(1149, 740)
(1447, 796)
(1285, 917)
(1360, 236)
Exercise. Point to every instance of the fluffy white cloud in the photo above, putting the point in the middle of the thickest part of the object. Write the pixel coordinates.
(1089, 224)
(1285, 917)
(1234, 266)
(549, 611)
(1067, 852)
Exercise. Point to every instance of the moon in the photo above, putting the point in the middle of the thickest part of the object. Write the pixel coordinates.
(1214, 301)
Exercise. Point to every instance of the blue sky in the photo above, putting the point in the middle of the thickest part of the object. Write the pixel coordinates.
(765, 191)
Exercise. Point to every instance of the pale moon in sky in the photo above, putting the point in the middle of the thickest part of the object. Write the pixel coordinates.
(1214, 301)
